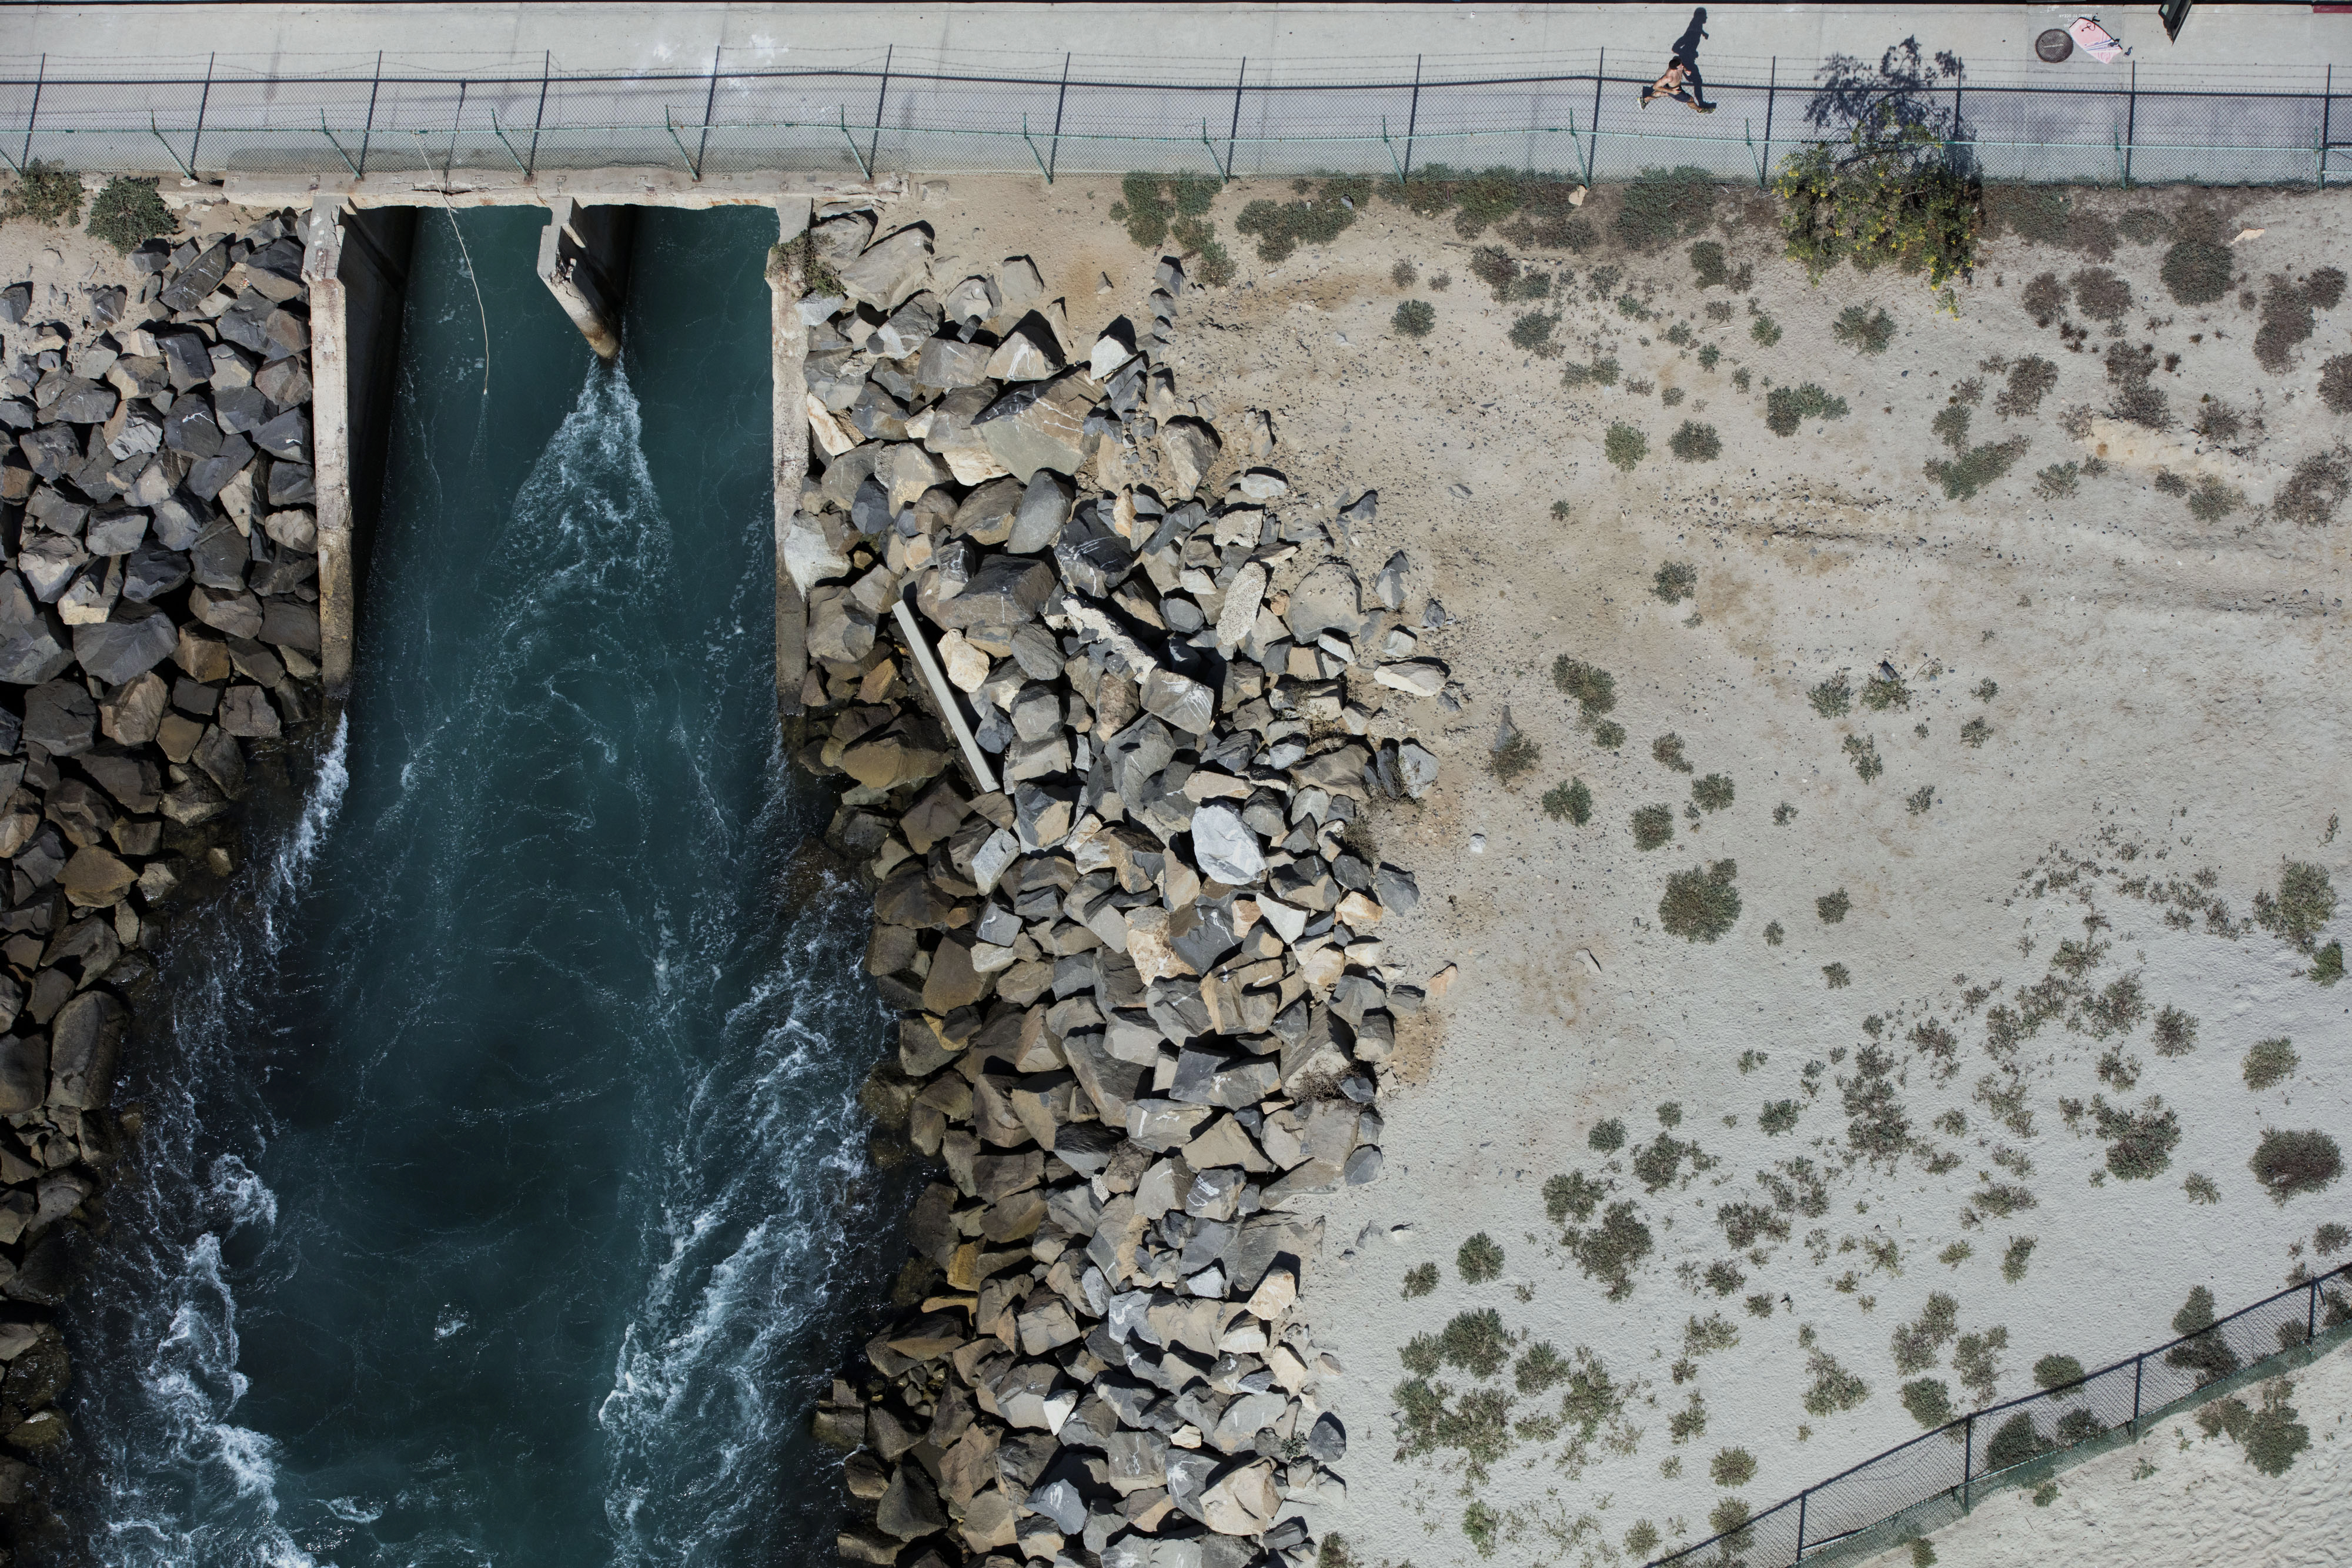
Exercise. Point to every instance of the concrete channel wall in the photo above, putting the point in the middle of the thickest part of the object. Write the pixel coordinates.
(356, 262)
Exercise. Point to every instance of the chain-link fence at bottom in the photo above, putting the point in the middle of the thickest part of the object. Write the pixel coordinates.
(1917, 1488)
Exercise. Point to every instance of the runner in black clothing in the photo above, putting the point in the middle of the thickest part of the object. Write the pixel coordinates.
(1681, 81)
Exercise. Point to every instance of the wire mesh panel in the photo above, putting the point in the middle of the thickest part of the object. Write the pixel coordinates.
(907, 112)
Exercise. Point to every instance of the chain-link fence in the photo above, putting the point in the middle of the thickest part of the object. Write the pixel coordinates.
(1573, 119)
(1928, 1481)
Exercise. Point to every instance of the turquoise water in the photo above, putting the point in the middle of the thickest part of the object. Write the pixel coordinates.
(505, 1144)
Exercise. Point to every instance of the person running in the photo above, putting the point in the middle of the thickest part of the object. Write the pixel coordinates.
(1682, 81)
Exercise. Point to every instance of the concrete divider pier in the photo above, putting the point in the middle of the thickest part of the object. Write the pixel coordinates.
(356, 265)
(788, 340)
(583, 259)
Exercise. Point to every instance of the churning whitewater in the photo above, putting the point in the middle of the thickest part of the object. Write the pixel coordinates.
(501, 1145)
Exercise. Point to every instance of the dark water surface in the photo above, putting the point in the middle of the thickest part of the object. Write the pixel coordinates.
(492, 1206)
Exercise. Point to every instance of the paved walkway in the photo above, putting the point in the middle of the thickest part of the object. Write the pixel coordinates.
(2237, 45)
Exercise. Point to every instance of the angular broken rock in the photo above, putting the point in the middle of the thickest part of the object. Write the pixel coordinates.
(1184, 703)
(1416, 677)
(1039, 424)
(1189, 448)
(891, 270)
(1028, 352)
(1325, 600)
(1238, 615)
(1242, 1501)
(1226, 846)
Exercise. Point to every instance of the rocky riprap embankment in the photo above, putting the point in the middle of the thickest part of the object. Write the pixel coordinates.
(1142, 994)
(158, 618)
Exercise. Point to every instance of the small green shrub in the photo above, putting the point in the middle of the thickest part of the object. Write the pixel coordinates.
(1833, 906)
(2140, 1142)
(1920, 801)
(1974, 469)
(1532, 331)
(1414, 318)
(1612, 1250)
(2030, 380)
(1606, 1137)
(1404, 274)
(2290, 1164)
(2015, 1442)
(1654, 826)
(2327, 965)
(2014, 1261)
(1480, 1258)
(1707, 265)
(1700, 905)
(1573, 1196)
(1713, 793)
(1150, 202)
(128, 212)
(1837, 977)
(1676, 582)
(1571, 800)
(1480, 1523)
(1787, 408)
(1420, 1281)
(1834, 1389)
(1625, 446)
(1976, 732)
(1774, 934)
(2198, 271)
(1732, 1467)
(1832, 697)
(2212, 500)
(1515, 756)
(2101, 295)
(1281, 228)
(46, 193)
(1420, 1355)
(1929, 1400)
(2271, 1061)
(2056, 1372)
(2175, 1033)
(1477, 1342)
(2200, 1189)
(2304, 904)
(2335, 384)
(1861, 330)
(1765, 331)
(1663, 206)
(1863, 753)
(1695, 443)
(1608, 735)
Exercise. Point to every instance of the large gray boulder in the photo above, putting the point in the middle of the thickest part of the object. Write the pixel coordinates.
(891, 270)
(83, 1043)
(120, 651)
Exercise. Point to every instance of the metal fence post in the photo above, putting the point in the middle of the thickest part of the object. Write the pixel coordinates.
(2139, 1368)
(1771, 94)
(1235, 130)
(1054, 153)
(202, 104)
(1802, 1498)
(873, 148)
(710, 102)
(29, 118)
(2327, 117)
(546, 70)
(2311, 1317)
(1411, 119)
(1968, 1462)
(1600, 75)
(375, 86)
(2131, 123)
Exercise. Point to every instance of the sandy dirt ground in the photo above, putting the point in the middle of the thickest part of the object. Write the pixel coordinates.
(2167, 728)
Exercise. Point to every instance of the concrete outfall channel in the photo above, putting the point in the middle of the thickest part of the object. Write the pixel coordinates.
(1079, 656)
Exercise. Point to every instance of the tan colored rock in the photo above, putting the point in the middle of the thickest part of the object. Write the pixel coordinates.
(1187, 450)
(966, 666)
(93, 879)
(1276, 1294)
(1242, 1501)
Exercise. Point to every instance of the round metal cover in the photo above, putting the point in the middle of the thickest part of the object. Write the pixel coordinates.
(2055, 45)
